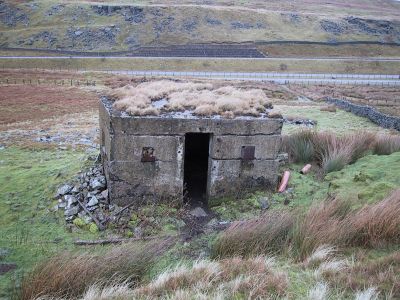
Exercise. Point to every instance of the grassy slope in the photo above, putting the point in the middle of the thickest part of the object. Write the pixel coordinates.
(339, 122)
(166, 25)
(30, 231)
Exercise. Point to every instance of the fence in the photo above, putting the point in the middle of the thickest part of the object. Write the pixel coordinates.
(58, 82)
(369, 112)
(280, 78)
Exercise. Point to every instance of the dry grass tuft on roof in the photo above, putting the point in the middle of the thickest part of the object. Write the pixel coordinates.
(200, 99)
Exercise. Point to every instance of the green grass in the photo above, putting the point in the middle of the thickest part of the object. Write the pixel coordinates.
(28, 228)
(28, 179)
(339, 122)
(368, 180)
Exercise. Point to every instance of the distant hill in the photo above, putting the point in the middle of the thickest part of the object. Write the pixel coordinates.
(106, 26)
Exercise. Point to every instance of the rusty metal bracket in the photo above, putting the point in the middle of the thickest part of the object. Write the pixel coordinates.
(148, 154)
(248, 152)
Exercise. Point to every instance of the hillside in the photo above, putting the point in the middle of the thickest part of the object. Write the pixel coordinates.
(112, 26)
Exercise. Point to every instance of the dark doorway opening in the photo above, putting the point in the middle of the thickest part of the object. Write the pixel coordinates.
(196, 167)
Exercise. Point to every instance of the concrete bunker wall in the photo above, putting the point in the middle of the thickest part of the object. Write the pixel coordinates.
(144, 156)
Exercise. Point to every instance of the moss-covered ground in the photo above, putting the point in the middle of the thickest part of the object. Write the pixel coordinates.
(368, 180)
(29, 229)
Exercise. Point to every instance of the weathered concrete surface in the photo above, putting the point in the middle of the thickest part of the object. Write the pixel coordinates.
(131, 179)
(175, 126)
(229, 176)
(230, 147)
(134, 179)
(129, 148)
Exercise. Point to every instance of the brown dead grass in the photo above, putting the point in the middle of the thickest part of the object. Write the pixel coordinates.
(253, 277)
(233, 278)
(385, 99)
(328, 108)
(386, 144)
(382, 273)
(21, 103)
(69, 275)
(331, 222)
(330, 151)
(267, 234)
(201, 98)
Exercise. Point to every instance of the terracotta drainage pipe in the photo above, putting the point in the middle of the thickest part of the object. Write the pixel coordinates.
(284, 182)
(306, 169)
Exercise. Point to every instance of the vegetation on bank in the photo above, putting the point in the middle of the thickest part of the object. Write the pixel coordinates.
(335, 209)
(29, 228)
(332, 152)
(279, 65)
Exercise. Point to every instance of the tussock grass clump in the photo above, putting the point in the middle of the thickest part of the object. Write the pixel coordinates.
(201, 98)
(69, 274)
(300, 146)
(374, 225)
(330, 151)
(330, 222)
(267, 234)
(382, 273)
(386, 144)
(320, 225)
(328, 108)
(253, 278)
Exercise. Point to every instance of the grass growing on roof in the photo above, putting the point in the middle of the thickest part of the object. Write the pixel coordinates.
(28, 229)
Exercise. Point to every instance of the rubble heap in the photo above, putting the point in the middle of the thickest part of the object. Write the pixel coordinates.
(86, 199)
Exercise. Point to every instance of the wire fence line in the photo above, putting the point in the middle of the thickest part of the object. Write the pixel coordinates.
(274, 77)
(58, 82)
(280, 78)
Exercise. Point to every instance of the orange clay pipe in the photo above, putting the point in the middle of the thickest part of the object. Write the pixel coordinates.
(306, 169)
(284, 181)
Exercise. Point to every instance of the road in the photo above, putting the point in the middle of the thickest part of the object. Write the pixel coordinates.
(355, 58)
(280, 78)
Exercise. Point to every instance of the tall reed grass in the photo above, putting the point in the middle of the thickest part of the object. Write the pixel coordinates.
(331, 222)
(333, 152)
(70, 274)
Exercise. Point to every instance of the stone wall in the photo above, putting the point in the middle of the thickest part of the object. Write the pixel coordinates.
(369, 112)
(129, 178)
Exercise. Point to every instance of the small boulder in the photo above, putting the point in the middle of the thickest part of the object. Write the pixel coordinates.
(104, 194)
(198, 212)
(61, 203)
(138, 232)
(98, 183)
(92, 202)
(63, 190)
(72, 211)
(70, 200)
(75, 189)
(264, 203)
